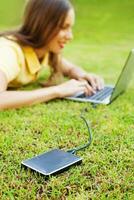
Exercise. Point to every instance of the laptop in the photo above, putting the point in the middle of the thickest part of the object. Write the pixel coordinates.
(110, 93)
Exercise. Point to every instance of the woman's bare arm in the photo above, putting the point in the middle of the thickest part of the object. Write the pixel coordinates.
(71, 70)
(15, 99)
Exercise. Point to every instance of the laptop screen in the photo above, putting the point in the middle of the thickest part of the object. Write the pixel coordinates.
(125, 76)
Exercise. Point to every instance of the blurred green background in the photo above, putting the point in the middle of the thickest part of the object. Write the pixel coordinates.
(10, 13)
(111, 20)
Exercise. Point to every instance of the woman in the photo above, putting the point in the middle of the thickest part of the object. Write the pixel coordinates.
(46, 29)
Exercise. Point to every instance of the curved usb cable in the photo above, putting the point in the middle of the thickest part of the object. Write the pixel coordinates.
(89, 140)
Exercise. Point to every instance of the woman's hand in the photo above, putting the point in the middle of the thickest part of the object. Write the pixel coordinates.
(73, 87)
(96, 82)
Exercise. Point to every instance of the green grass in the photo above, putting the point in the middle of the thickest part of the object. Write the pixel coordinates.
(104, 34)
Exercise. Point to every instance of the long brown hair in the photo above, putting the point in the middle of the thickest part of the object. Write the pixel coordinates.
(42, 21)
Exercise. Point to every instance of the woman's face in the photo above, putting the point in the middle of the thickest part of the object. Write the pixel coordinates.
(58, 43)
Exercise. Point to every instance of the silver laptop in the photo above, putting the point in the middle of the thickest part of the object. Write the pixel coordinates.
(110, 93)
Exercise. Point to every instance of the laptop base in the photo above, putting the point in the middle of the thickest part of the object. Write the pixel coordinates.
(52, 162)
(101, 97)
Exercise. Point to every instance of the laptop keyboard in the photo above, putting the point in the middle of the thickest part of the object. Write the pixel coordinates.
(100, 95)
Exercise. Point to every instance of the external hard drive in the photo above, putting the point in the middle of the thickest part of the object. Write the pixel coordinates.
(52, 162)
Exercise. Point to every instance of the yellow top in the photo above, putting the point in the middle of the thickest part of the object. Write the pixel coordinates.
(20, 64)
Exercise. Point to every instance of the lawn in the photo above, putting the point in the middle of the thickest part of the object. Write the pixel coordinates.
(103, 37)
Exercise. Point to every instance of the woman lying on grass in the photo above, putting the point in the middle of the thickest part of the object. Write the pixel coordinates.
(46, 29)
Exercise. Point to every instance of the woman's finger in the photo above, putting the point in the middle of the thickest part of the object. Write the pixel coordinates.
(99, 83)
(89, 90)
